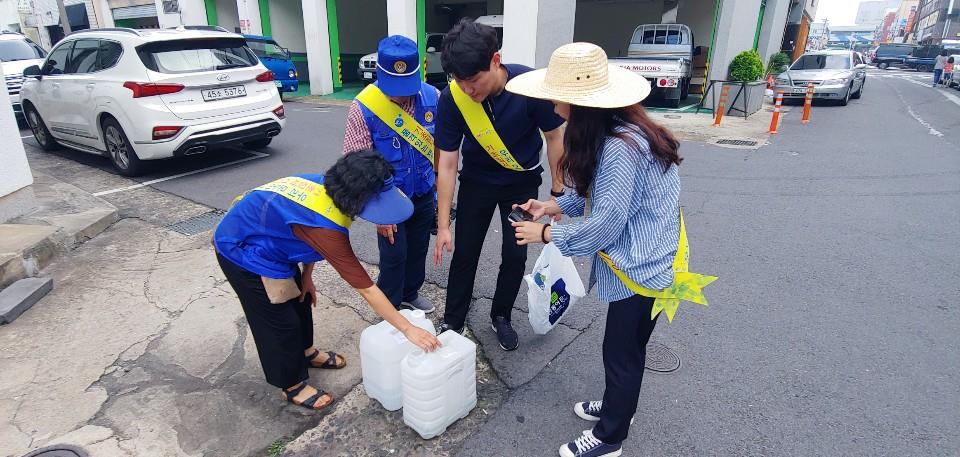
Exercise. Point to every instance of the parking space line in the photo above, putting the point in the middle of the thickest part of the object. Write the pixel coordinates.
(256, 155)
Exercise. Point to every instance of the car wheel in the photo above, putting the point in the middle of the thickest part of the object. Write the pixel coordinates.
(859, 91)
(39, 129)
(883, 65)
(923, 68)
(259, 144)
(846, 97)
(120, 150)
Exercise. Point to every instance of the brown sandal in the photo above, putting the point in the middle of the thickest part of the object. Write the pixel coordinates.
(330, 363)
(309, 403)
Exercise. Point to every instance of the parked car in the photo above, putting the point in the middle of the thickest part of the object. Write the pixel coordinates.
(17, 52)
(138, 95)
(955, 75)
(924, 58)
(663, 54)
(836, 75)
(277, 59)
(367, 70)
(891, 54)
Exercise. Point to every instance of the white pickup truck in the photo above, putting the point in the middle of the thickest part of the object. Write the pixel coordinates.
(662, 53)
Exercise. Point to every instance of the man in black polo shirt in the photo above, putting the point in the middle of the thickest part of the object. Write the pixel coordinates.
(508, 175)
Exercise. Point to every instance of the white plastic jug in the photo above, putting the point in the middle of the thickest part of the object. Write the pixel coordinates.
(382, 348)
(439, 387)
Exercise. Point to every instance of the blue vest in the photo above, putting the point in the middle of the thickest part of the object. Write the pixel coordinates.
(256, 235)
(413, 173)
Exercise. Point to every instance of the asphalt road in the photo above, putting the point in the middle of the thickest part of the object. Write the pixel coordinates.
(833, 329)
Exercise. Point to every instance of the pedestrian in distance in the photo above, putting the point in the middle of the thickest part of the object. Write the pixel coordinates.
(268, 243)
(396, 116)
(623, 167)
(938, 65)
(948, 72)
(501, 141)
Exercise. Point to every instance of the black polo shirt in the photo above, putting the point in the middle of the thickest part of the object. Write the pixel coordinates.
(516, 118)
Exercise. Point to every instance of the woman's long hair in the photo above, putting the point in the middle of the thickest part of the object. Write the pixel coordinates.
(588, 128)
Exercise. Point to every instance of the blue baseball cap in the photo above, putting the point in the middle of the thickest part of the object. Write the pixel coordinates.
(398, 66)
(389, 206)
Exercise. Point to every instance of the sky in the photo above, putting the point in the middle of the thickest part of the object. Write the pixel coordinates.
(839, 12)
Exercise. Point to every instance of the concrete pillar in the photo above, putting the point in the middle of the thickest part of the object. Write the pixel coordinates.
(533, 29)
(318, 46)
(736, 30)
(104, 13)
(249, 13)
(16, 198)
(771, 32)
(402, 18)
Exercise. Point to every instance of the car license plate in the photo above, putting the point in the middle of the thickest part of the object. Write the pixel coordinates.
(367, 75)
(278, 83)
(221, 93)
(799, 90)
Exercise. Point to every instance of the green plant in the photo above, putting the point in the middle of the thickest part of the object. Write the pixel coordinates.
(778, 63)
(746, 67)
(277, 447)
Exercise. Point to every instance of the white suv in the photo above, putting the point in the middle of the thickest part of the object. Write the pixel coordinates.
(17, 52)
(137, 95)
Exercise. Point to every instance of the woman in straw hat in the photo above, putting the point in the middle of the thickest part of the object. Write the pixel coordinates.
(623, 167)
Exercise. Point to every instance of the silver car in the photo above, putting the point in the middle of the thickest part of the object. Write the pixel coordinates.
(836, 75)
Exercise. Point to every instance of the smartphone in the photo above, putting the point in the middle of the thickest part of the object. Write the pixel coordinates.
(519, 215)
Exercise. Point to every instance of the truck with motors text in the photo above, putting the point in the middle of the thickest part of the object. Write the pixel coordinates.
(661, 53)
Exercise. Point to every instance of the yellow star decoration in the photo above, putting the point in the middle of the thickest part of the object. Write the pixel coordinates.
(686, 285)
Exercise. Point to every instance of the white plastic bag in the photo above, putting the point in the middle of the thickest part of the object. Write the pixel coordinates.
(552, 288)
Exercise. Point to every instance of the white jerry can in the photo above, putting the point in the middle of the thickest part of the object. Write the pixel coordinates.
(439, 387)
(382, 348)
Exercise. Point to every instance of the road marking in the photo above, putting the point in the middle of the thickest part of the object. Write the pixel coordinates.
(952, 98)
(256, 155)
(924, 123)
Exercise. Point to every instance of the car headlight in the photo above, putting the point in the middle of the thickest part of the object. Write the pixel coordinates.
(835, 82)
(783, 81)
(292, 74)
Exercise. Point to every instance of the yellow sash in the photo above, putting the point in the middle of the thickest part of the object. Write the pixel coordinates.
(398, 120)
(686, 285)
(308, 194)
(482, 129)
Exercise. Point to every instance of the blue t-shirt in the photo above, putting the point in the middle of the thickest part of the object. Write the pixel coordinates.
(517, 119)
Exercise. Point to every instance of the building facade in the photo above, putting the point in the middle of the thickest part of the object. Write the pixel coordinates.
(937, 21)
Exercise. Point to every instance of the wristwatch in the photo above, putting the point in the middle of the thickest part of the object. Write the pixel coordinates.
(557, 194)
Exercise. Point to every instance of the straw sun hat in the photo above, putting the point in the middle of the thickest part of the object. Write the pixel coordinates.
(579, 74)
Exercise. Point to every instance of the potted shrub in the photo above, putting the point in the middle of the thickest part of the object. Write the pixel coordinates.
(779, 63)
(746, 73)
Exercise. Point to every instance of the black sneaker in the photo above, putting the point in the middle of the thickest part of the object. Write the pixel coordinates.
(506, 335)
(590, 410)
(588, 445)
(445, 326)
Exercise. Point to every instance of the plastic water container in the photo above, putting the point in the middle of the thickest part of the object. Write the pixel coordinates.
(382, 348)
(439, 387)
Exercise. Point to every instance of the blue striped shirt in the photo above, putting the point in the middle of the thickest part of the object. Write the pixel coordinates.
(634, 218)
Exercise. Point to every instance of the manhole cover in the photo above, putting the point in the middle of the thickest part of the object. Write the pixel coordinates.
(60, 450)
(737, 142)
(661, 359)
(197, 224)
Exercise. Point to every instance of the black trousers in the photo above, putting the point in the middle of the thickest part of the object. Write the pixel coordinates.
(475, 205)
(281, 332)
(624, 356)
(403, 263)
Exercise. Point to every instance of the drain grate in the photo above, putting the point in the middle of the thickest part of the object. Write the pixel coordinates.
(661, 359)
(197, 224)
(737, 142)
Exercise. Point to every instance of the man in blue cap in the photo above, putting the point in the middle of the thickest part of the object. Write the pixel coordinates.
(273, 230)
(396, 117)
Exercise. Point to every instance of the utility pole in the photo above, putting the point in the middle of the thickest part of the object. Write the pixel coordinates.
(64, 20)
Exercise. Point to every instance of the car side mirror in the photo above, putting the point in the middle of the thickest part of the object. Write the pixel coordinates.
(32, 71)
(432, 49)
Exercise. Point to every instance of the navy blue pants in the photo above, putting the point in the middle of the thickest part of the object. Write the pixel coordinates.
(403, 263)
(624, 357)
